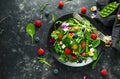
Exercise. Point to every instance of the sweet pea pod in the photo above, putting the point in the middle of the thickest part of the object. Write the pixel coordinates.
(108, 9)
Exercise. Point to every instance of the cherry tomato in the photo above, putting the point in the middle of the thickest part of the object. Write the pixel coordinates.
(104, 72)
(94, 36)
(83, 10)
(60, 4)
(40, 51)
(83, 44)
(83, 54)
(74, 57)
(67, 51)
(60, 36)
(38, 23)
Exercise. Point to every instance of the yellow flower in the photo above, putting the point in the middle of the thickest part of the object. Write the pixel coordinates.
(75, 46)
(90, 53)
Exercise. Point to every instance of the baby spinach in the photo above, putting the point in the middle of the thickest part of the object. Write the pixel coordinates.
(30, 29)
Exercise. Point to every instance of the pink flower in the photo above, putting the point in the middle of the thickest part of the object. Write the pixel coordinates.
(65, 26)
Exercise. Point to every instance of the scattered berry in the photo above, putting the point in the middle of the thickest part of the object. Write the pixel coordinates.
(83, 10)
(94, 36)
(40, 51)
(46, 13)
(38, 23)
(67, 51)
(75, 36)
(55, 71)
(104, 72)
(37, 39)
(60, 4)
(80, 60)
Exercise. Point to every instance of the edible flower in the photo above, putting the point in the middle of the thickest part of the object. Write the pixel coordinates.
(93, 8)
(90, 53)
(118, 16)
(65, 26)
(52, 41)
(93, 15)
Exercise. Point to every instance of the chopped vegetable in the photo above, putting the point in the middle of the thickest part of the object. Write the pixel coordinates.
(30, 29)
(43, 60)
(53, 17)
(43, 6)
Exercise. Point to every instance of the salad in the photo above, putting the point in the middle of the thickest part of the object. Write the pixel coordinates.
(74, 41)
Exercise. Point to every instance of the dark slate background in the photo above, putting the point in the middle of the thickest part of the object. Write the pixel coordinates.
(18, 57)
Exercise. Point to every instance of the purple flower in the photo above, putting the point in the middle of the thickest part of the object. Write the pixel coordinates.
(86, 76)
(52, 41)
(65, 26)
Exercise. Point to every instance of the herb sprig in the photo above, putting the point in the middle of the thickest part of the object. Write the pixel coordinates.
(43, 60)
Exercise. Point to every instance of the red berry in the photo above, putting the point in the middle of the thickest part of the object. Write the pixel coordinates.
(104, 72)
(67, 51)
(83, 54)
(83, 44)
(74, 57)
(60, 4)
(83, 10)
(38, 23)
(94, 36)
(40, 51)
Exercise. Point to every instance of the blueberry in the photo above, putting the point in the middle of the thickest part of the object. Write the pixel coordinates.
(37, 39)
(80, 60)
(55, 71)
(75, 36)
(83, 29)
(46, 13)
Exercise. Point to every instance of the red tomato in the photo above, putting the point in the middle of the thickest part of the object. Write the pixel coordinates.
(83, 10)
(60, 4)
(40, 51)
(67, 51)
(104, 72)
(83, 44)
(74, 57)
(60, 36)
(38, 23)
(94, 36)
(83, 54)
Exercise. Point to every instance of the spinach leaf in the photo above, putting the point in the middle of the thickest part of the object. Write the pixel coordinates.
(30, 29)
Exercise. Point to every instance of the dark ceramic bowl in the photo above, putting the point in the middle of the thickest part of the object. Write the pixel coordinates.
(50, 46)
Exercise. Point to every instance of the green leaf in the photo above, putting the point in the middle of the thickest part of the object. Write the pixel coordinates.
(95, 55)
(96, 43)
(62, 58)
(53, 17)
(30, 29)
(95, 63)
(43, 60)
(43, 6)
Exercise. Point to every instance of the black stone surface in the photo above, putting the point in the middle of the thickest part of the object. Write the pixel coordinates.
(18, 57)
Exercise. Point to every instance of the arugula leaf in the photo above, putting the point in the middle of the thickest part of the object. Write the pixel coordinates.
(43, 6)
(43, 60)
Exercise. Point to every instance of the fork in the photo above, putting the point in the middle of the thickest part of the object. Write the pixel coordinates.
(99, 34)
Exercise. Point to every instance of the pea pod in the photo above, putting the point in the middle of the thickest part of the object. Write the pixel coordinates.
(108, 9)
